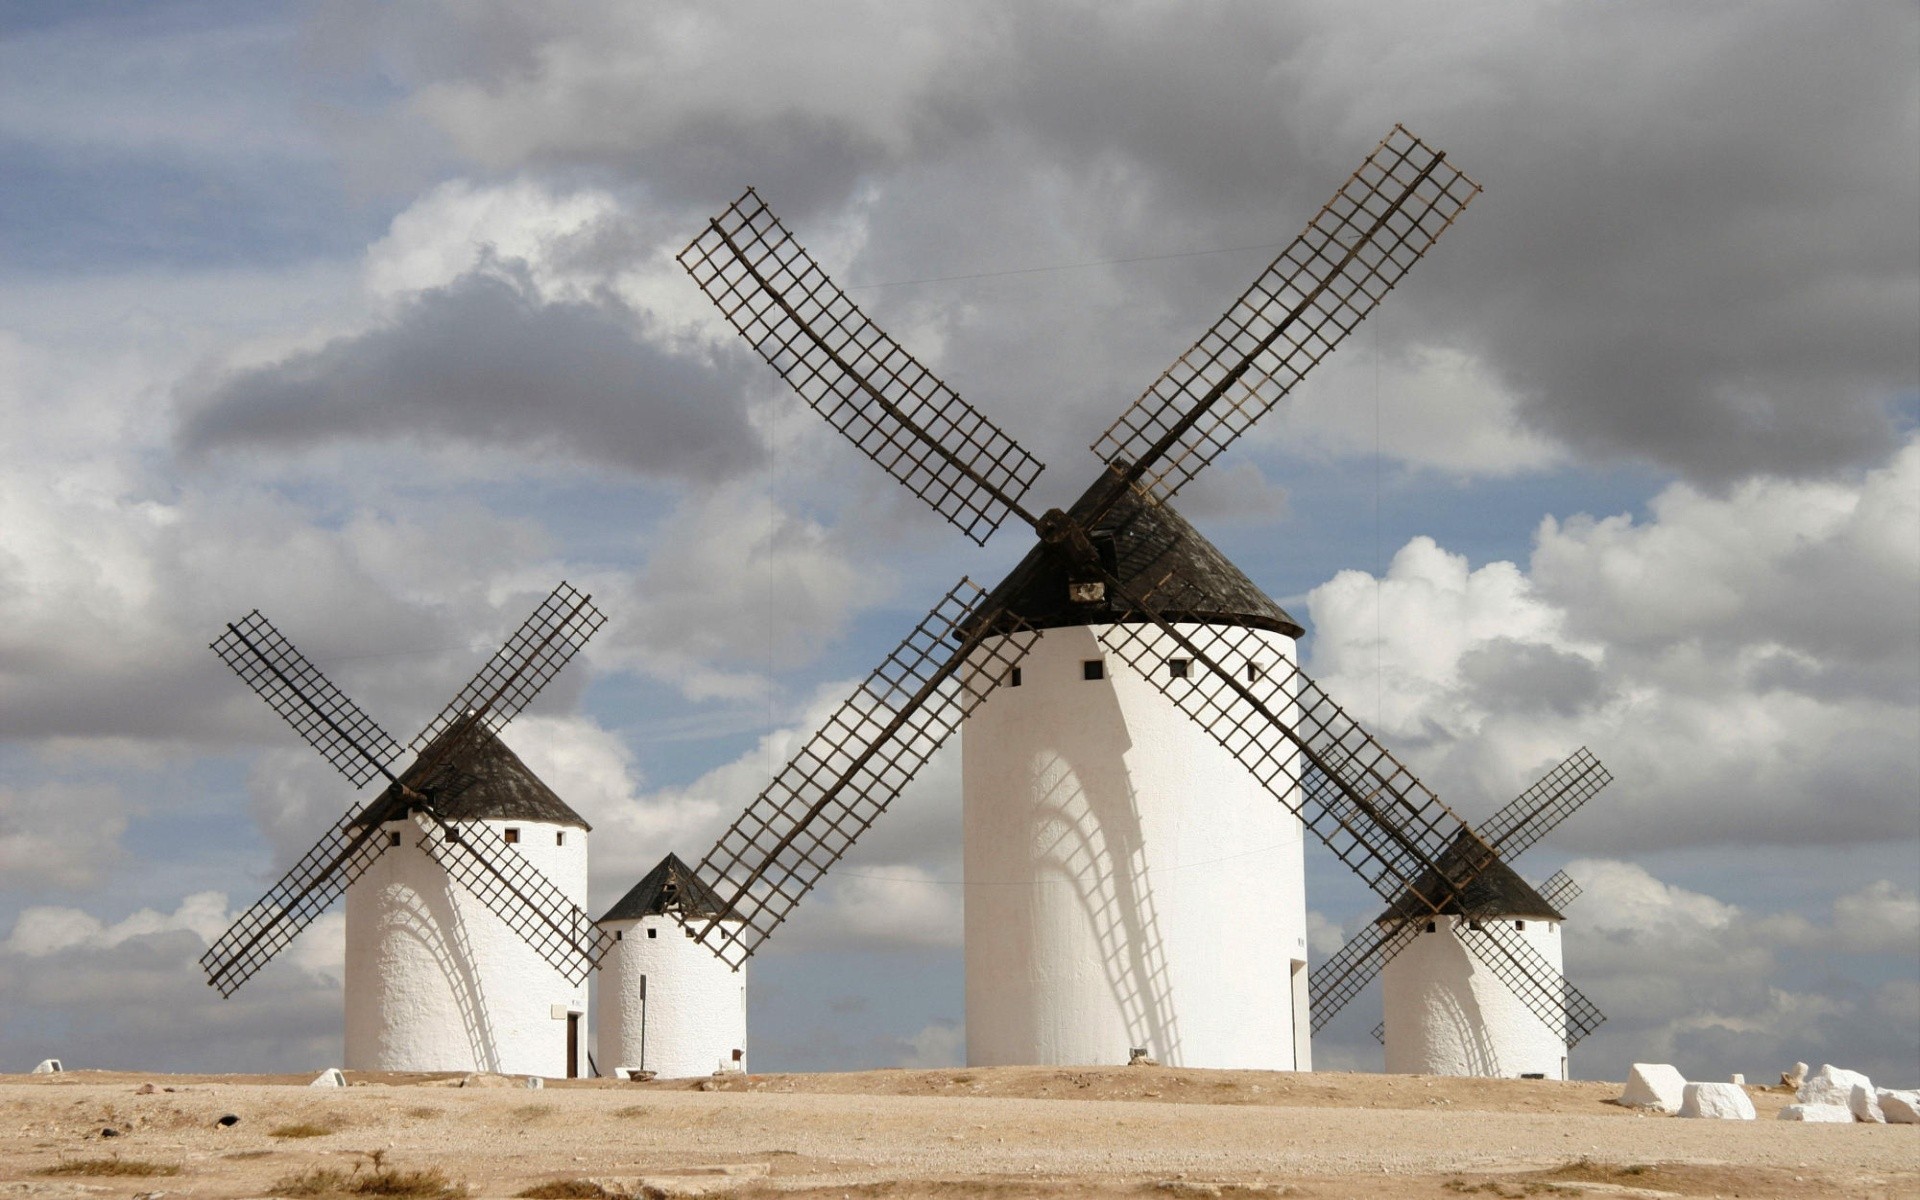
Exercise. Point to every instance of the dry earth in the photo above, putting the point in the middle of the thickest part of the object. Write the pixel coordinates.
(1004, 1132)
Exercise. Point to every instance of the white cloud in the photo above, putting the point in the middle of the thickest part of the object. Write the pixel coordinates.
(1742, 664)
(938, 1044)
(60, 833)
(1689, 979)
(41, 930)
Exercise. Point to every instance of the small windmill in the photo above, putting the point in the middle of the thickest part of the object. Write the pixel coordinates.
(1118, 570)
(1450, 1009)
(464, 877)
(666, 1004)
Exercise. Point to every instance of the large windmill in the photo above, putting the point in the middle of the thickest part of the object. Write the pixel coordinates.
(467, 947)
(1121, 572)
(1450, 1009)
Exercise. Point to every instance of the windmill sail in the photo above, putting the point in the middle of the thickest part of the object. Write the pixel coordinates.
(307, 700)
(360, 749)
(870, 389)
(848, 772)
(1380, 222)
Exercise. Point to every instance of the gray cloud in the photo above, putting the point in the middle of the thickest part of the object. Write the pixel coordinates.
(480, 362)
(1696, 247)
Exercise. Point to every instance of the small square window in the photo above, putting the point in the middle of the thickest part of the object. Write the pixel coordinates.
(513, 835)
(1013, 677)
(452, 834)
(619, 935)
(1519, 924)
(1431, 927)
(1093, 668)
(653, 933)
(559, 837)
(1475, 924)
(1255, 672)
(393, 839)
(1179, 668)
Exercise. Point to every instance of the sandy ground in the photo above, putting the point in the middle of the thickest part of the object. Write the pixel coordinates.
(1004, 1132)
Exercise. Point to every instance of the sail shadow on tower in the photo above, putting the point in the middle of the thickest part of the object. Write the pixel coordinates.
(467, 947)
(1120, 599)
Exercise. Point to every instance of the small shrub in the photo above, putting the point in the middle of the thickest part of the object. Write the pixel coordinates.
(371, 1178)
(303, 1129)
(110, 1166)
(564, 1189)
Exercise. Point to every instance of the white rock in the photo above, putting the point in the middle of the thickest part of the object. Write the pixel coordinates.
(1900, 1106)
(1795, 1077)
(1831, 1085)
(331, 1077)
(1716, 1101)
(1817, 1112)
(1865, 1105)
(1658, 1086)
(49, 1066)
(536, 1082)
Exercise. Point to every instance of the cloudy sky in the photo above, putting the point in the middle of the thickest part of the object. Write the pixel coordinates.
(365, 315)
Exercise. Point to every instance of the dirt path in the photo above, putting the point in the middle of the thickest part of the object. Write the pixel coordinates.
(1005, 1132)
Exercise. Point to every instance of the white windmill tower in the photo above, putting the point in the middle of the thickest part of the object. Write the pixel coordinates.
(1105, 833)
(467, 947)
(1456, 1003)
(1116, 802)
(667, 1005)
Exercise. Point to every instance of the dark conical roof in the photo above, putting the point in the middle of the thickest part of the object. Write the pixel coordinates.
(1141, 540)
(480, 780)
(671, 885)
(1496, 891)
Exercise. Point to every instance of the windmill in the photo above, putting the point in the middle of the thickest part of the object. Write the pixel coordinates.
(666, 1005)
(466, 943)
(1118, 570)
(1449, 1008)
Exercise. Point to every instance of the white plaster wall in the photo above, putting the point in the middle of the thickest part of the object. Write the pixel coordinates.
(1128, 883)
(695, 1010)
(1449, 1014)
(436, 982)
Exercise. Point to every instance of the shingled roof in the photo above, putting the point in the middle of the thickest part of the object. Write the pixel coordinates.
(1497, 891)
(671, 885)
(1146, 540)
(482, 780)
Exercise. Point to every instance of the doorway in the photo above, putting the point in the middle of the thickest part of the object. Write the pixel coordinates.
(573, 1045)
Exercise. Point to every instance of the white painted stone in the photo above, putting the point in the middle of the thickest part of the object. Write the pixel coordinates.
(1448, 1013)
(1900, 1106)
(1128, 882)
(1717, 1101)
(329, 1078)
(667, 1003)
(436, 982)
(1831, 1085)
(1657, 1086)
(48, 1066)
(1795, 1077)
(1865, 1106)
(1739, 1079)
(1831, 1113)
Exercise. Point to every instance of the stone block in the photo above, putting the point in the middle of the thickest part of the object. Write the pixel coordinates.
(1865, 1105)
(1833, 1113)
(1831, 1085)
(1900, 1106)
(1794, 1078)
(1716, 1101)
(1656, 1086)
